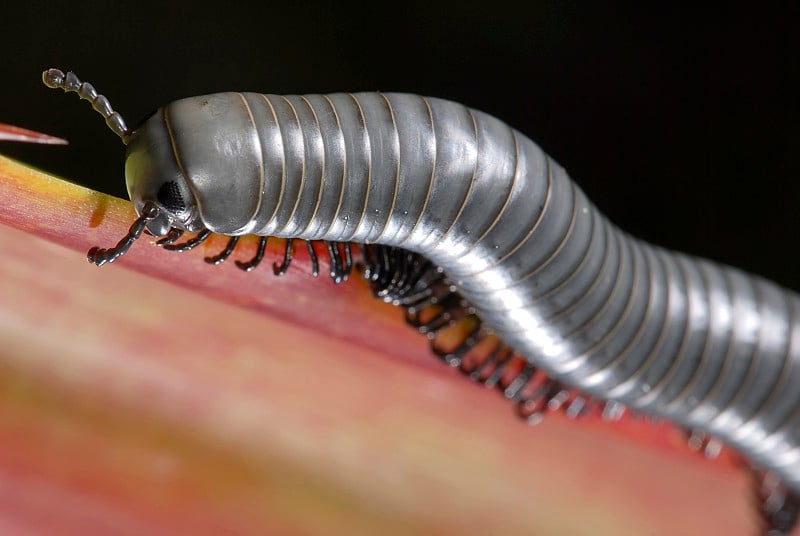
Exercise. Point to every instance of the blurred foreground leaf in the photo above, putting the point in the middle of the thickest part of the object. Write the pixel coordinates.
(161, 395)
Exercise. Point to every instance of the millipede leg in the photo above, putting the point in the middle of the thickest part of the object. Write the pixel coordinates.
(514, 389)
(440, 321)
(476, 373)
(287, 258)
(100, 256)
(702, 442)
(533, 407)
(500, 368)
(173, 234)
(558, 400)
(368, 262)
(396, 269)
(340, 269)
(219, 259)
(189, 244)
(418, 267)
(580, 406)
(430, 293)
(336, 269)
(348, 259)
(576, 408)
(455, 356)
(778, 505)
(313, 256)
(255, 261)
(433, 304)
(383, 267)
(452, 311)
(613, 410)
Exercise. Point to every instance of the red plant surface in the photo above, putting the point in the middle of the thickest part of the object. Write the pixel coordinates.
(15, 133)
(161, 395)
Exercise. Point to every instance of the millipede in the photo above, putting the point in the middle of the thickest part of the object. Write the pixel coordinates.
(493, 252)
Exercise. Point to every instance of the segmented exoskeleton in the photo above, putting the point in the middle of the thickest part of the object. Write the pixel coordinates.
(706, 346)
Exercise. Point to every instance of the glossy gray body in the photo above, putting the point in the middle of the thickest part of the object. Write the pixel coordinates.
(706, 346)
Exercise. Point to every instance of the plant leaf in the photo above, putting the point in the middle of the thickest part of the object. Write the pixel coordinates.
(14, 133)
(161, 395)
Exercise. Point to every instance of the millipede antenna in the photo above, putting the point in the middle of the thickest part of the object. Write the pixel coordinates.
(55, 78)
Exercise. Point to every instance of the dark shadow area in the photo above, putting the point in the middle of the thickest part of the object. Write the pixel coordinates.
(682, 125)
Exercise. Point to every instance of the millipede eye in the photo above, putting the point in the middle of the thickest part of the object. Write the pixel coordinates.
(169, 195)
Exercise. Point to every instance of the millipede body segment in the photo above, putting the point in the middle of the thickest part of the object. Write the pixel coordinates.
(706, 346)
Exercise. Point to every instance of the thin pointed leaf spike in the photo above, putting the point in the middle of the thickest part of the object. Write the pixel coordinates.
(13, 133)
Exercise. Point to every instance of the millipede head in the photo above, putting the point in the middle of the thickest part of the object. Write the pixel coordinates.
(151, 216)
(158, 197)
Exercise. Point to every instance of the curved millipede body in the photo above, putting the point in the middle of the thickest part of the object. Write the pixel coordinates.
(706, 346)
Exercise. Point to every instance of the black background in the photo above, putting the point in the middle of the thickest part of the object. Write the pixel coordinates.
(682, 124)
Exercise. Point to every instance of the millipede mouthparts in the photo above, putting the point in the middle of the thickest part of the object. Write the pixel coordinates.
(468, 225)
